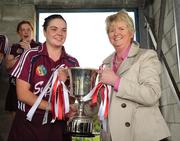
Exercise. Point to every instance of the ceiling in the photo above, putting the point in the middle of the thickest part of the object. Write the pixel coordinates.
(88, 3)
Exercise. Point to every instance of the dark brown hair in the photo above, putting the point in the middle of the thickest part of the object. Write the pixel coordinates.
(21, 23)
(51, 17)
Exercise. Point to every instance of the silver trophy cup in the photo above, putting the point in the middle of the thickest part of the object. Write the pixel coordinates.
(82, 81)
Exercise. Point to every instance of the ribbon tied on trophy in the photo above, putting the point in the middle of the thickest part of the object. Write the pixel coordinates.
(104, 91)
(58, 98)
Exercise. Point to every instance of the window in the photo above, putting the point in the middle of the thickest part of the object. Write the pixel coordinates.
(87, 39)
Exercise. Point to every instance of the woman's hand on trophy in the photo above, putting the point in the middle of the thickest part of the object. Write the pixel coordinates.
(73, 111)
(63, 74)
(107, 76)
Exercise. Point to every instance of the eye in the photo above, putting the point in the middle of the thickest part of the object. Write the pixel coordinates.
(64, 29)
(22, 30)
(53, 28)
(28, 29)
(121, 28)
(111, 30)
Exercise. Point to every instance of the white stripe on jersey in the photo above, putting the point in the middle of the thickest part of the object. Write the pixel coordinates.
(21, 106)
(18, 68)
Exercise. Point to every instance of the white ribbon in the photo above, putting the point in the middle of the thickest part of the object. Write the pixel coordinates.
(37, 102)
(89, 95)
(66, 98)
(103, 104)
(44, 92)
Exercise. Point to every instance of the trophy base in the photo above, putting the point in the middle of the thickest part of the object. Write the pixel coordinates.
(80, 126)
(82, 135)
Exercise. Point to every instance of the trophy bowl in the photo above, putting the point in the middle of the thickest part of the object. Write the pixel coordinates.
(82, 81)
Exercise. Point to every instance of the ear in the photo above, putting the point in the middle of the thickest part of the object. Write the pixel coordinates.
(132, 34)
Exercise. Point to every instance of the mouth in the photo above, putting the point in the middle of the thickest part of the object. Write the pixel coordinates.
(118, 38)
(26, 36)
(59, 39)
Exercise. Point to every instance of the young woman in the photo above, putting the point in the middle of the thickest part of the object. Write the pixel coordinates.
(33, 72)
(25, 32)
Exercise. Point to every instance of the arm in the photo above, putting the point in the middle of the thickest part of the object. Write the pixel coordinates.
(10, 60)
(13, 56)
(25, 95)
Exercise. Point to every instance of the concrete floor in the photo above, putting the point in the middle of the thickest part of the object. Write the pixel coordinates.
(5, 118)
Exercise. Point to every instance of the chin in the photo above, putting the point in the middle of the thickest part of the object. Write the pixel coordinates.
(59, 45)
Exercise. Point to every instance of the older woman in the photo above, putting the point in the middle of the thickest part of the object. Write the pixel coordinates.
(133, 73)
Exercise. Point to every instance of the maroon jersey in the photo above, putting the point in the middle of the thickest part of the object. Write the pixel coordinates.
(12, 103)
(17, 50)
(35, 67)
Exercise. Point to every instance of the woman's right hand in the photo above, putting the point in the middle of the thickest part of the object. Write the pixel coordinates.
(63, 74)
(25, 45)
(107, 76)
(73, 111)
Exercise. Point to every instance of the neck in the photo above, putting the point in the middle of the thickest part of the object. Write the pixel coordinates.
(119, 53)
(54, 52)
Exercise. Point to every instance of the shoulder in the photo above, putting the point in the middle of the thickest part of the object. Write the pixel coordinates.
(29, 53)
(147, 53)
(15, 49)
(146, 57)
(149, 59)
(108, 59)
(15, 46)
(24, 61)
(72, 60)
(35, 44)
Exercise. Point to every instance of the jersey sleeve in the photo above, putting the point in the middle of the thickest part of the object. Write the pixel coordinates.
(22, 67)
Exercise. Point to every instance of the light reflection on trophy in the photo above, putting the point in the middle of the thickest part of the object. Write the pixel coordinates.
(82, 81)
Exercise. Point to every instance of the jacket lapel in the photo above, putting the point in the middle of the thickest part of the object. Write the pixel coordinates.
(108, 61)
(126, 64)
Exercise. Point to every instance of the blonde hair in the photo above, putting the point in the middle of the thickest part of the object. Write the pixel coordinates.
(118, 17)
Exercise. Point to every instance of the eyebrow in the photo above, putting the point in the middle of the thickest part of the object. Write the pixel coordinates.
(53, 27)
(57, 27)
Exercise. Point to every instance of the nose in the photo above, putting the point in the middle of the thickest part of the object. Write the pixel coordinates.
(116, 31)
(27, 30)
(59, 32)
